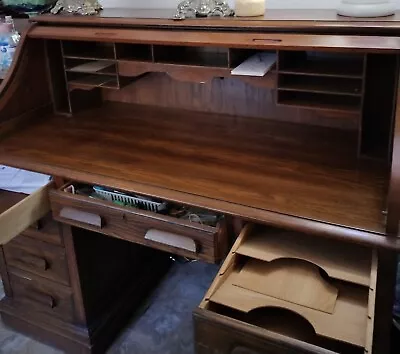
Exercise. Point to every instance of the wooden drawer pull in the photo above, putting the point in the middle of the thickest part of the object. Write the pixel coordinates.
(267, 40)
(170, 239)
(81, 216)
(35, 261)
(41, 298)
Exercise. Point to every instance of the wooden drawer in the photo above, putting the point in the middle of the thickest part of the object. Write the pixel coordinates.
(290, 291)
(37, 257)
(41, 296)
(19, 211)
(177, 236)
(45, 229)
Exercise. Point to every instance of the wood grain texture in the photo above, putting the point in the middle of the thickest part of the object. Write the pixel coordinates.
(215, 333)
(45, 229)
(288, 156)
(393, 201)
(190, 73)
(347, 323)
(270, 244)
(79, 314)
(245, 97)
(261, 41)
(41, 295)
(20, 97)
(371, 303)
(291, 280)
(295, 20)
(38, 257)
(23, 214)
(132, 225)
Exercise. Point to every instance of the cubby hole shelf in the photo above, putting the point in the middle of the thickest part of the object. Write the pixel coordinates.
(323, 85)
(312, 100)
(321, 64)
(88, 50)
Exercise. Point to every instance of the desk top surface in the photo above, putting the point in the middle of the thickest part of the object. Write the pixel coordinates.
(272, 19)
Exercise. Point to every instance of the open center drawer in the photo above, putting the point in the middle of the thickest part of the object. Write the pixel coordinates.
(19, 211)
(108, 213)
(284, 289)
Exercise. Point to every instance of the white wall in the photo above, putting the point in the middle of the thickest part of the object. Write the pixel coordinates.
(272, 4)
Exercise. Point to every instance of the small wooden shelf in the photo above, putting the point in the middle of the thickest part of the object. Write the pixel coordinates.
(321, 64)
(317, 84)
(88, 50)
(139, 52)
(320, 101)
(91, 67)
(93, 80)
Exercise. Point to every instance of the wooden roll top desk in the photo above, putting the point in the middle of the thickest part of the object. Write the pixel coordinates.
(302, 165)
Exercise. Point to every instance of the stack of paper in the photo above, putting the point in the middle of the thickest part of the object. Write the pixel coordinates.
(257, 65)
(21, 181)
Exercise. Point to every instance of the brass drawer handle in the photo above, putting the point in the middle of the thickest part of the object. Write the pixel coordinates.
(82, 217)
(35, 261)
(41, 298)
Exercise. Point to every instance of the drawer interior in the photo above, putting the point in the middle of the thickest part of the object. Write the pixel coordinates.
(307, 289)
(184, 230)
(143, 203)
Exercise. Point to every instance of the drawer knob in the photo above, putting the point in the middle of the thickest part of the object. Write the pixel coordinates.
(82, 217)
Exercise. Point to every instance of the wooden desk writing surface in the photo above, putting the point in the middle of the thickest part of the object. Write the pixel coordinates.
(311, 147)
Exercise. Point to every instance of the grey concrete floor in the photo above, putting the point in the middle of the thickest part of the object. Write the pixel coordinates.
(162, 325)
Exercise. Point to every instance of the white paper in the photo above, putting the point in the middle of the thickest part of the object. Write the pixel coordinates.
(22, 181)
(92, 66)
(257, 65)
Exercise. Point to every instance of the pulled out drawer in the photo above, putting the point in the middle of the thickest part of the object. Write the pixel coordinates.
(160, 231)
(41, 296)
(308, 293)
(44, 259)
(19, 211)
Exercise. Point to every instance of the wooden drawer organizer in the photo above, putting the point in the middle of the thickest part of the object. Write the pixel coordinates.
(288, 283)
(164, 232)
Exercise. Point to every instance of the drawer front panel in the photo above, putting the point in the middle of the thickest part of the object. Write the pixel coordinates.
(192, 239)
(216, 334)
(46, 229)
(42, 296)
(46, 260)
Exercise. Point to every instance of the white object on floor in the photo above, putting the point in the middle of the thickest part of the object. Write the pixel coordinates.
(366, 8)
(21, 181)
(257, 65)
(249, 8)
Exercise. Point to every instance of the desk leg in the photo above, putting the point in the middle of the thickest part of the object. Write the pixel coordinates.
(387, 268)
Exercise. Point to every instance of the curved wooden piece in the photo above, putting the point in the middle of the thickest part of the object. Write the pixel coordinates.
(289, 279)
(191, 73)
(347, 323)
(269, 244)
(24, 92)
